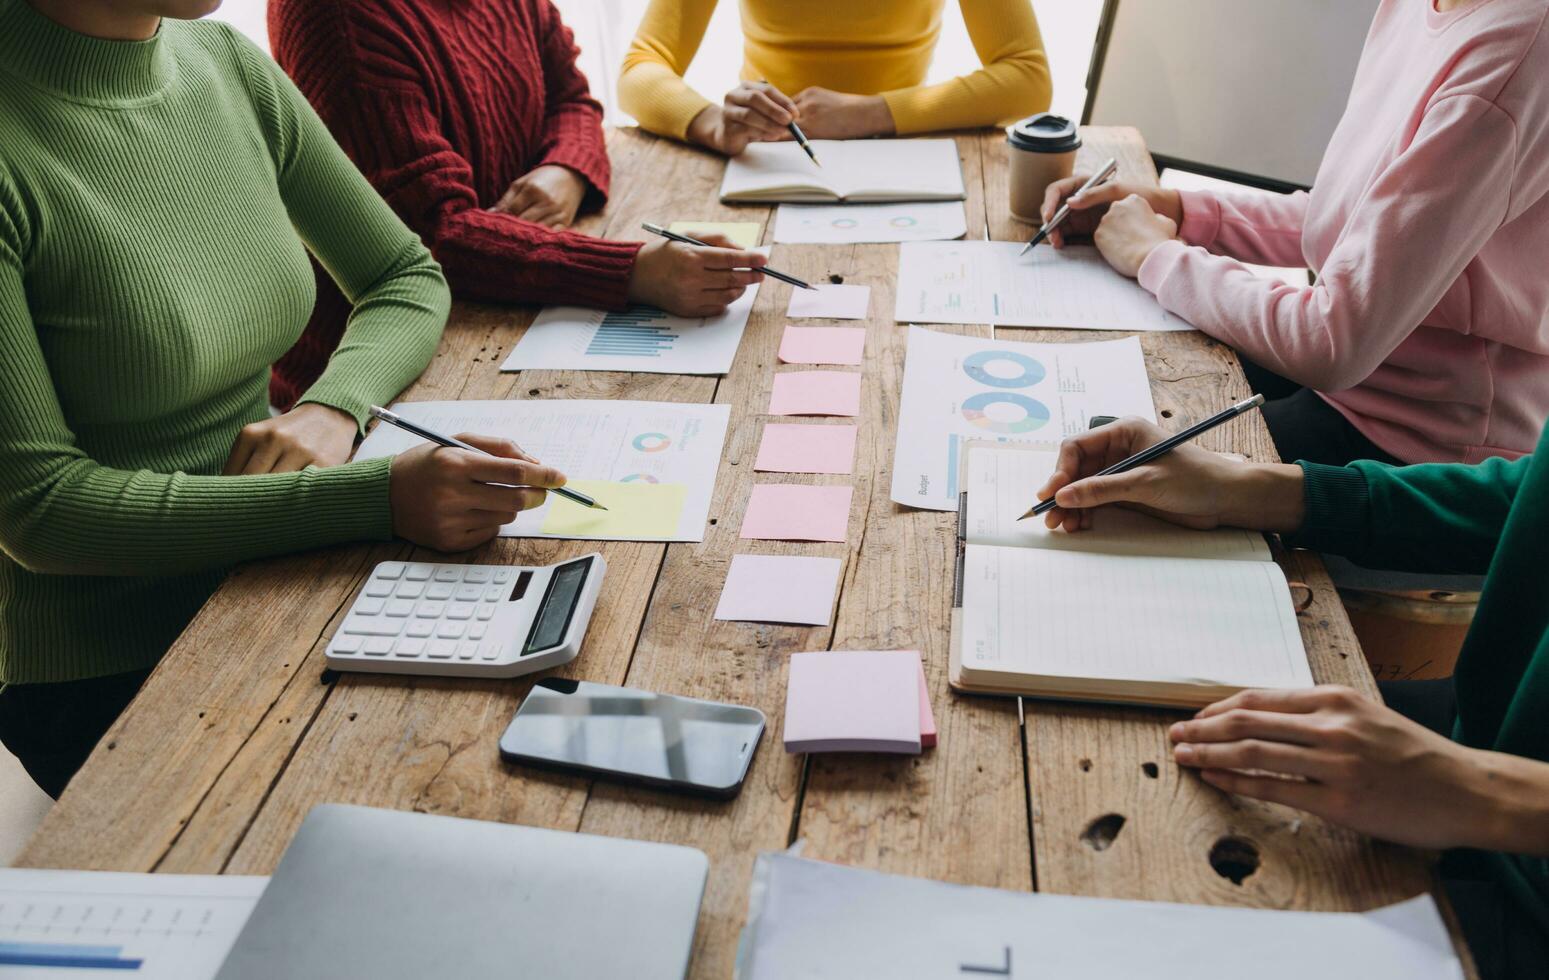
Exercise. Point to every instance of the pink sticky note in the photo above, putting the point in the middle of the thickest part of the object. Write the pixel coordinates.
(927, 717)
(794, 512)
(779, 589)
(823, 345)
(806, 449)
(853, 702)
(816, 393)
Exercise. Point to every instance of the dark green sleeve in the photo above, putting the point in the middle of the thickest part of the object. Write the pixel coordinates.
(1433, 517)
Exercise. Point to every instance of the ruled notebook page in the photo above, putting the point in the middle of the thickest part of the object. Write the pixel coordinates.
(1002, 483)
(1173, 620)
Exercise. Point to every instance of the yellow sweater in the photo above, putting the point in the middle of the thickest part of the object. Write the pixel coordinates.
(864, 47)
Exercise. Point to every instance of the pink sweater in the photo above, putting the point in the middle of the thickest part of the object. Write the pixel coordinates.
(1428, 226)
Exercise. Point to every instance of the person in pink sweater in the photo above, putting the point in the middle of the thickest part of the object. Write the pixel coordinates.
(1426, 336)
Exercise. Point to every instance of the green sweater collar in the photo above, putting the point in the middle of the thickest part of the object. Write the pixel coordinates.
(87, 69)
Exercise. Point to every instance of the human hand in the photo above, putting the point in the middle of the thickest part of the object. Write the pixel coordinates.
(452, 500)
(1129, 232)
(826, 114)
(1087, 210)
(1190, 486)
(692, 281)
(1340, 756)
(549, 195)
(310, 434)
(752, 112)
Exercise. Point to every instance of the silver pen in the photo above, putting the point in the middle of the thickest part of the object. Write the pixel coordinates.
(393, 418)
(1102, 174)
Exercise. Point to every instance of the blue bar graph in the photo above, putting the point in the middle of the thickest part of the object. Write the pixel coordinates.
(952, 442)
(635, 332)
(66, 956)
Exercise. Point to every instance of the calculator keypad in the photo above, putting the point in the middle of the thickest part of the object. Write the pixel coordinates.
(419, 611)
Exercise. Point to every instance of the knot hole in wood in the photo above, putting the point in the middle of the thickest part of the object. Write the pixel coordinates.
(1234, 858)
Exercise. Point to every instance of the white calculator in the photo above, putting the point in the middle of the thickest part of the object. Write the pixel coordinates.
(468, 620)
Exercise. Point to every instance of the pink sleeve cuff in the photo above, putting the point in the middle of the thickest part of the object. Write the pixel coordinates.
(1159, 265)
(1201, 218)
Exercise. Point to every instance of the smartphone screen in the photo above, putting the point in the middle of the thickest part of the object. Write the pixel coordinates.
(656, 738)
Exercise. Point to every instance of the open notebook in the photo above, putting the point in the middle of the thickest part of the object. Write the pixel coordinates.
(1135, 610)
(852, 170)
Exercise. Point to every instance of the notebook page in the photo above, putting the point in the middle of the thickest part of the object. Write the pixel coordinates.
(1171, 620)
(892, 169)
(1002, 483)
(763, 168)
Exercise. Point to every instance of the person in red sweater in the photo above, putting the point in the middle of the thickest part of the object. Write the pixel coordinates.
(471, 118)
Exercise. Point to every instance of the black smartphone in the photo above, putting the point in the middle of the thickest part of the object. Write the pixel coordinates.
(656, 739)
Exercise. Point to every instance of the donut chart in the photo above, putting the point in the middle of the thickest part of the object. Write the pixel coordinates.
(639, 478)
(845, 223)
(977, 366)
(1035, 414)
(651, 442)
(903, 221)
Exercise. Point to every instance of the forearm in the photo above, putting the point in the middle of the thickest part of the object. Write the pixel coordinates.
(500, 258)
(1510, 795)
(1265, 229)
(76, 517)
(1263, 497)
(990, 97)
(651, 85)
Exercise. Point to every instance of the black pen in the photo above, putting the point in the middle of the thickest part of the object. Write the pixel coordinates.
(802, 139)
(1162, 448)
(659, 230)
(393, 418)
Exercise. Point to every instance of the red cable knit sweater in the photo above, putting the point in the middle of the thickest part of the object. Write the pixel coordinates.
(442, 103)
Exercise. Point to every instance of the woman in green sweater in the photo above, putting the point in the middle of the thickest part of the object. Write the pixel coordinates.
(161, 183)
(1468, 771)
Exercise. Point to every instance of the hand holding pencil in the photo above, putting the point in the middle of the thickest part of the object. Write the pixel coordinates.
(1189, 485)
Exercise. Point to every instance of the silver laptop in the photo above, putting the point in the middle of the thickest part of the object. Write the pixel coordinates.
(374, 893)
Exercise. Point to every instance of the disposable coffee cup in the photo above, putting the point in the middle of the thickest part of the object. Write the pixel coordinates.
(1042, 150)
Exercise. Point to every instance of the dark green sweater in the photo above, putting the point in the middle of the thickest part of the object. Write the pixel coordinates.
(1491, 518)
(157, 202)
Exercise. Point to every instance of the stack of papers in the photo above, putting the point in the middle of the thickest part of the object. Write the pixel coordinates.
(822, 921)
(858, 701)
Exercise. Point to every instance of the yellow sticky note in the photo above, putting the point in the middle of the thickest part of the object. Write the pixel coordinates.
(745, 233)
(637, 511)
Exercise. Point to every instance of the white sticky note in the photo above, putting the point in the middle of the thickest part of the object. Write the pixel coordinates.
(830, 301)
(779, 589)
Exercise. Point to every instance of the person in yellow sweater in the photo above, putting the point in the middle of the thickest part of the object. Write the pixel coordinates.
(842, 70)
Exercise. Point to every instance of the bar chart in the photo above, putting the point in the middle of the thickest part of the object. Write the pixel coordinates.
(640, 331)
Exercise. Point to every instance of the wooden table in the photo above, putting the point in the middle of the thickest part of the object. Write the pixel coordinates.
(239, 732)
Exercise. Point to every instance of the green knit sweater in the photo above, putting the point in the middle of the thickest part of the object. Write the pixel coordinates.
(157, 201)
(1442, 517)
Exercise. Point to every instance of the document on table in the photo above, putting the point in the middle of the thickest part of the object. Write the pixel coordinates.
(797, 512)
(843, 224)
(56, 924)
(601, 446)
(961, 388)
(640, 338)
(830, 301)
(988, 282)
(823, 921)
(871, 170)
(823, 345)
(780, 589)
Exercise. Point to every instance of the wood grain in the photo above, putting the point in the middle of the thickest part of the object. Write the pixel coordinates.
(236, 735)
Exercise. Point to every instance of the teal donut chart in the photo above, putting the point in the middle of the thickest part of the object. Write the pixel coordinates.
(976, 366)
(1035, 413)
(651, 442)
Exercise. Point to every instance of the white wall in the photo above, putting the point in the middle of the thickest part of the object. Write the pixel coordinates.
(604, 28)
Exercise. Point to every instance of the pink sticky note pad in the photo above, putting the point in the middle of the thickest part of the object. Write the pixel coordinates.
(853, 702)
(816, 393)
(823, 345)
(779, 589)
(793, 512)
(806, 449)
(927, 717)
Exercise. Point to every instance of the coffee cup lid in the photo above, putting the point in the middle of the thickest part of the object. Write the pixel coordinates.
(1044, 133)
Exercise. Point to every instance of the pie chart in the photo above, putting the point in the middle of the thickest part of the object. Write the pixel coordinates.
(1035, 414)
(1003, 369)
(651, 442)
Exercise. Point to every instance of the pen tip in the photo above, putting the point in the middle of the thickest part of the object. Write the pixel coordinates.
(597, 506)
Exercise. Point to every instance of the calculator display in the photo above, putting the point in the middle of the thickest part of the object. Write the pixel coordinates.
(558, 606)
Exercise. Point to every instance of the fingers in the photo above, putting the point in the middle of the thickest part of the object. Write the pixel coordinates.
(1257, 755)
(730, 258)
(1098, 491)
(496, 445)
(266, 453)
(241, 452)
(1101, 194)
(760, 107)
(1271, 789)
(1242, 723)
(511, 472)
(1300, 701)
